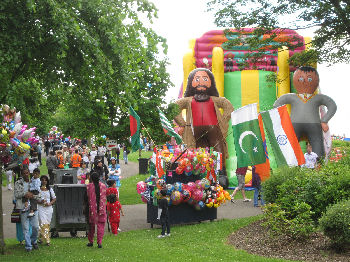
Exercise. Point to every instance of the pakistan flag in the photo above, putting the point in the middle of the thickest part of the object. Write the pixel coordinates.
(247, 136)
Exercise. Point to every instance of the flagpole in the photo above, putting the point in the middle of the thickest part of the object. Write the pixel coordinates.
(147, 132)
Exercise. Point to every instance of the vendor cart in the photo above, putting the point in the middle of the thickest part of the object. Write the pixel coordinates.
(182, 213)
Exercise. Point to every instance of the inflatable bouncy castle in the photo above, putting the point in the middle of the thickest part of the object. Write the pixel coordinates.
(248, 84)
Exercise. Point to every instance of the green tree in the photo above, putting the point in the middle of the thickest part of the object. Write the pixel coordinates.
(330, 19)
(81, 62)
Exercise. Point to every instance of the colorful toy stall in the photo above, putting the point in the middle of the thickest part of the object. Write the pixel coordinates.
(190, 180)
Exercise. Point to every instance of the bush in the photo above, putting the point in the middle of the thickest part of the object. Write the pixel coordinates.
(317, 188)
(335, 224)
(279, 223)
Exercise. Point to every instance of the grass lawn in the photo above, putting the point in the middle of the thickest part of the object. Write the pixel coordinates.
(128, 194)
(134, 156)
(206, 241)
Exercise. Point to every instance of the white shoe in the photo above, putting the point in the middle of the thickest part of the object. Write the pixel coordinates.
(161, 236)
(247, 200)
(167, 235)
(9, 187)
(119, 230)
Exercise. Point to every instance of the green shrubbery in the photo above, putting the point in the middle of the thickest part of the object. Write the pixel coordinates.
(279, 221)
(301, 194)
(335, 224)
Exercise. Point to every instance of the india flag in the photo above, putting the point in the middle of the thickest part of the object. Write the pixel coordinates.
(283, 140)
(246, 131)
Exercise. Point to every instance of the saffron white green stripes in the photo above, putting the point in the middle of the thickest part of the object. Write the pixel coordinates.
(283, 140)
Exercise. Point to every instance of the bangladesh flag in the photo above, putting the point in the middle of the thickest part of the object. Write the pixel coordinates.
(134, 129)
(247, 136)
(167, 127)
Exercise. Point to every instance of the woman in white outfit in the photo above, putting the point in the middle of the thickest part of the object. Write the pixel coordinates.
(45, 210)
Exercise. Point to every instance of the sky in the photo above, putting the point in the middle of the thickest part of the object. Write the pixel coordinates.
(182, 20)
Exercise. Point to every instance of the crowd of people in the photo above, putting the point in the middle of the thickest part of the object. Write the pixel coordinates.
(34, 195)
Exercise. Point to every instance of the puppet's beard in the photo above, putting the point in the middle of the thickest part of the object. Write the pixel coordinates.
(201, 96)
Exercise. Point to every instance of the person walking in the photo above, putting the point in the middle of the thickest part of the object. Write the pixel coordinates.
(96, 201)
(125, 154)
(22, 193)
(47, 145)
(117, 151)
(51, 164)
(256, 184)
(48, 198)
(114, 208)
(240, 173)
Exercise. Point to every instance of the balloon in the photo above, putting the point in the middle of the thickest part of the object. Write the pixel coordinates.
(143, 199)
(188, 168)
(170, 189)
(25, 146)
(179, 170)
(141, 187)
(186, 195)
(18, 118)
(197, 195)
(205, 183)
(210, 204)
(191, 186)
(176, 197)
(165, 153)
(178, 186)
(161, 184)
(26, 134)
(156, 193)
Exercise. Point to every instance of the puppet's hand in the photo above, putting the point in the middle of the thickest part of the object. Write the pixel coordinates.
(181, 130)
(325, 127)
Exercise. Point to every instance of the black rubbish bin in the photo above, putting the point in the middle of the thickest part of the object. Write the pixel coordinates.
(68, 211)
(143, 165)
(67, 178)
(59, 173)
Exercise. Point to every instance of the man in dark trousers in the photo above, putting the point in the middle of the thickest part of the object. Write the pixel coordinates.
(47, 146)
(164, 216)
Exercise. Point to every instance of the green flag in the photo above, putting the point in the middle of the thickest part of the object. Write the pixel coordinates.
(134, 129)
(167, 127)
(247, 136)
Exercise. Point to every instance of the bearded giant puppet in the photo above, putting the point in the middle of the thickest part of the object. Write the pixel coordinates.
(305, 112)
(204, 126)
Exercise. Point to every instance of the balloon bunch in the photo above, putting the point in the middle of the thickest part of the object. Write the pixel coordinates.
(15, 138)
(193, 161)
(55, 133)
(198, 194)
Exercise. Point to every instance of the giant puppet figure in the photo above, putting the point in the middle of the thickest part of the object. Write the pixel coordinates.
(305, 113)
(204, 126)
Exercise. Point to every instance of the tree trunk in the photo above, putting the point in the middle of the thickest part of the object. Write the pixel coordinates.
(2, 239)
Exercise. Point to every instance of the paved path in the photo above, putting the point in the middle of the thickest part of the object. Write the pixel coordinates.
(135, 215)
